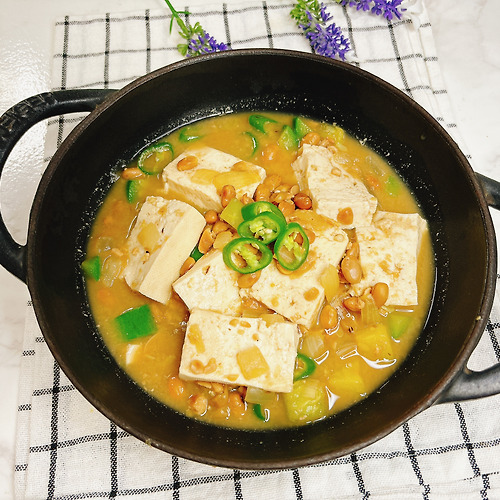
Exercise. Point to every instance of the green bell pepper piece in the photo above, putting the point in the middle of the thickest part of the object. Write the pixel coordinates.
(288, 139)
(136, 322)
(259, 122)
(300, 127)
(92, 268)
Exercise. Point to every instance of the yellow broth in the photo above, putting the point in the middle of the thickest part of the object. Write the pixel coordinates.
(153, 361)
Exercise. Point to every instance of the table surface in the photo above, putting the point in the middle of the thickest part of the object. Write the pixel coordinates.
(467, 40)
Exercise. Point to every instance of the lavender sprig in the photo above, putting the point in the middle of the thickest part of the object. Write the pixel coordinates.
(327, 40)
(198, 40)
(389, 9)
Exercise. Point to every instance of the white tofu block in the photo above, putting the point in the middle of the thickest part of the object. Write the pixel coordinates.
(388, 253)
(210, 285)
(300, 295)
(165, 233)
(202, 185)
(333, 189)
(239, 351)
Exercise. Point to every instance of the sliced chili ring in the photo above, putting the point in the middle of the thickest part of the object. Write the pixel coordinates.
(155, 158)
(305, 367)
(246, 255)
(265, 227)
(251, 210)
(291, 247)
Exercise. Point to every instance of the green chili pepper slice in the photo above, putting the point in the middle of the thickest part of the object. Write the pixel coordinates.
(242, 255)
(306, 367)
(136, 322)
(264, 227)
(259, 122)
(132, 189)
(261, 413)
(188, 134)
(251, 210)
(155, 158)
(255, 144)
(291, 247)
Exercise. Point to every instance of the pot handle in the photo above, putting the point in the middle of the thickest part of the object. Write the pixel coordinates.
(491, 190)
(470, 384)
(13, 124)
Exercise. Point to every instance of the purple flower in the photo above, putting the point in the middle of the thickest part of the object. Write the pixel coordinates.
(329, 41)
(312, 17)
(204, 44)
(390, 9)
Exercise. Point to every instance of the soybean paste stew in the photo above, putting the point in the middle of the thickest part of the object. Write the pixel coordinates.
(259, 270)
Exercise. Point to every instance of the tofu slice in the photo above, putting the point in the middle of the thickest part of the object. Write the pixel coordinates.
(202, 184)
(165, 233)
(240, 351)
(300, 295)
(388, 252)
(210, 285)
(332, 188)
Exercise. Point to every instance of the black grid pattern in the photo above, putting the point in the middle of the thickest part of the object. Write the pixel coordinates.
(67, 450)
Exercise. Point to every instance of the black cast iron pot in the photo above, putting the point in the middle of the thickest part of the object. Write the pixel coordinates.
(453, 199)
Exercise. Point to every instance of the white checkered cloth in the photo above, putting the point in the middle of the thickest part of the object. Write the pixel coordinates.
(66, 449)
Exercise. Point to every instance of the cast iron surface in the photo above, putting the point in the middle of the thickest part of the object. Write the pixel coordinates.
(447, 190)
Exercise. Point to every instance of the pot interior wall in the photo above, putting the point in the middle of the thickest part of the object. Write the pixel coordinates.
(82, 170)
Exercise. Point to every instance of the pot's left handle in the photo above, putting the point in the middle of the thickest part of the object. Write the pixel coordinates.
(13, 124)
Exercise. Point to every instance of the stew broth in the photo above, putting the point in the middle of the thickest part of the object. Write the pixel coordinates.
(347, 368)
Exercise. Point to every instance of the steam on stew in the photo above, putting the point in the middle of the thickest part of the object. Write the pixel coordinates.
(259, 270)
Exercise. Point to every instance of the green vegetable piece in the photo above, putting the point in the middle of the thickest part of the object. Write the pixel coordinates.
(333, 132)
(232, 214)
(392, 185)
(238, 251)
(251, 210)
(259, 122)
(307, 401)
(264, 227)
(261, 413)
(305, 367)
(155, 158)
(135, 323)
(287, 139)
(188, 134)
(255, 144)
(398, 324)
(196, 254)
(92, 268)
(289, 250)
(300, 127)
(132, 190)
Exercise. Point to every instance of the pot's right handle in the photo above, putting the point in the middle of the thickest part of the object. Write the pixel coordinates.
(471, 384)
(13, 124)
